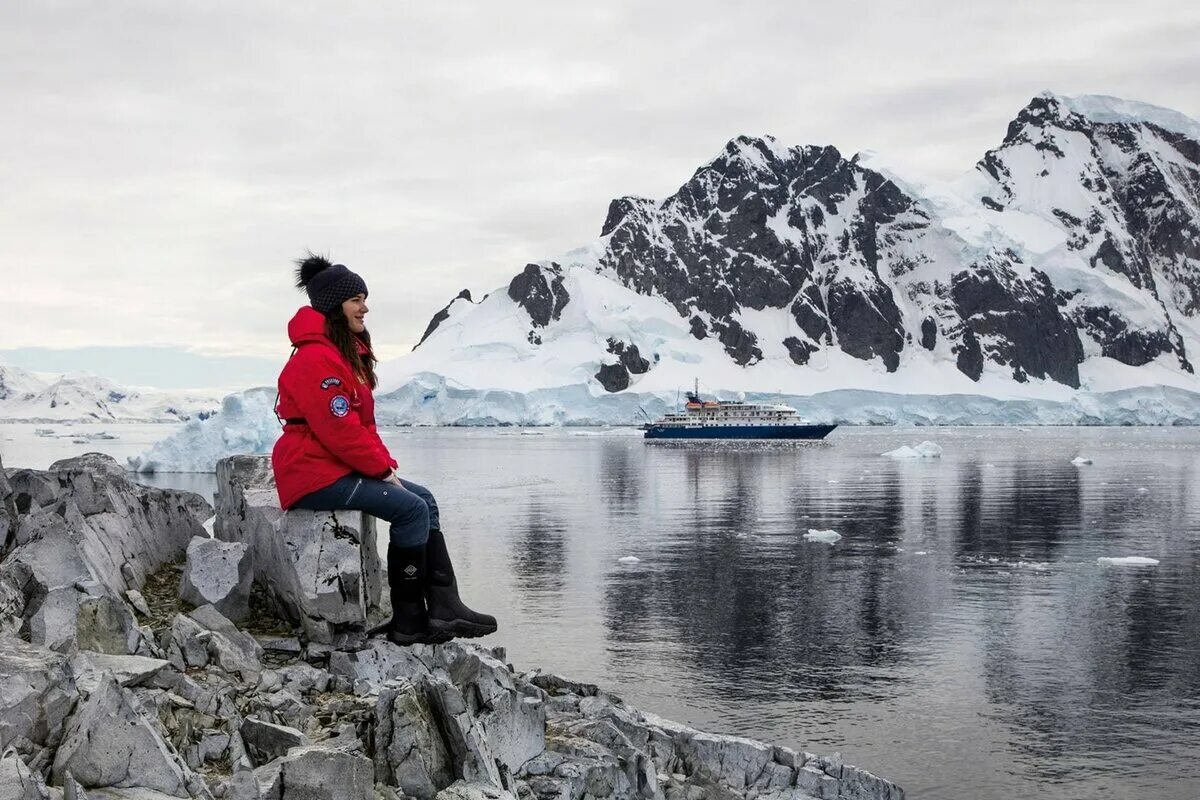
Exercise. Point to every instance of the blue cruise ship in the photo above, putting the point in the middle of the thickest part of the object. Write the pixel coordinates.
(721, 419)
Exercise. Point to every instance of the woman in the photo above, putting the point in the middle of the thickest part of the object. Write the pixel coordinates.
(330, 456)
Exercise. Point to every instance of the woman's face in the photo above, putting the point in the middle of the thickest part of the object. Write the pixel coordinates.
(355, 309)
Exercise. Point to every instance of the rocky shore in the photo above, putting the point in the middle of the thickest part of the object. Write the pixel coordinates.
(145, 655)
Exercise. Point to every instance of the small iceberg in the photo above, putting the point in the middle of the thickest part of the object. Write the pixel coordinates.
(1079, 461)
(629, 560)
(827, 537)
(923, 450)
(1128, 561)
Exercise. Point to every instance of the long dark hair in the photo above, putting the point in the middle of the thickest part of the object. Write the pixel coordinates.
(337, 328)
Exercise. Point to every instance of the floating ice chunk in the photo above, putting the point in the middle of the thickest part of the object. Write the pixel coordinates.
(1080, 461)
(923, 450)
(827, 537)
(1143, 489)
(629, 559)
(1128, 561)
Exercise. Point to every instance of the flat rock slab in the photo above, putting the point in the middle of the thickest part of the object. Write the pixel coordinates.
(128, 671)
(218, 573)
(321, 570)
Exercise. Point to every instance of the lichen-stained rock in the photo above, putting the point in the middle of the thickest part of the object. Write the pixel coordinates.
(313, 773)
(18, 781)
(110, 744)
(321, 569)
(218, 573)
(37, 691)
(106, 625)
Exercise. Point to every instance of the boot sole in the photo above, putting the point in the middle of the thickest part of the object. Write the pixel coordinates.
(460, 628)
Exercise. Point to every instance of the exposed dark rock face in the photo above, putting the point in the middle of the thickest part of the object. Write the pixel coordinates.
(540, 291)
(613, 377)
(867, 322)
(442, 316)
(798, 350)
(1117, 340)
(928, 333)
(1137, 219)
(629, 356)
(1019, 322)
(859, 262)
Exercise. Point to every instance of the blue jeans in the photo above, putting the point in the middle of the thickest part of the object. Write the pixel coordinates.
(411, 510)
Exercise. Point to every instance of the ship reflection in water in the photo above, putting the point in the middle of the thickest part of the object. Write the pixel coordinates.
(961, 637)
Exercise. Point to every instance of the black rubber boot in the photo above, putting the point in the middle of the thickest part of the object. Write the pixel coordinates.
(447, 613)
(406, 578)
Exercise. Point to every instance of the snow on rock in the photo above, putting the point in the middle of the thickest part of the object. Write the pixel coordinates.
(629, 560)
(1079, 461)
(925, 449)
(1128, 561)
(246, 423)
(826, 537)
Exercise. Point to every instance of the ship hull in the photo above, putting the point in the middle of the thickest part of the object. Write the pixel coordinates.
(770, 432)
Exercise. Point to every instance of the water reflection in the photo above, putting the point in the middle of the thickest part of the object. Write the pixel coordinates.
(538, 557)
(971, 581)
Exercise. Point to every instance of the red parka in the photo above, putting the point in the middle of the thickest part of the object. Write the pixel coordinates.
(337, 436)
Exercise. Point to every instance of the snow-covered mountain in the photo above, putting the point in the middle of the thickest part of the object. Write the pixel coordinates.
(1067, 261)
(81, 397)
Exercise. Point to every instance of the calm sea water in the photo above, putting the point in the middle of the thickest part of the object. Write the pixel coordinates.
(961, 638)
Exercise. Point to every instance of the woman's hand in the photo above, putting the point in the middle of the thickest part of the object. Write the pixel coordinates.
(392, 478)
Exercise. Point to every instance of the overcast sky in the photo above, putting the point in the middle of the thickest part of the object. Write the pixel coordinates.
(162, 163)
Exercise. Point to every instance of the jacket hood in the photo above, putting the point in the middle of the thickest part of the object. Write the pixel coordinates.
(308, 325)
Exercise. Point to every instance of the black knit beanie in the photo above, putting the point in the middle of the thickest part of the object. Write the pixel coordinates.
(328, 285)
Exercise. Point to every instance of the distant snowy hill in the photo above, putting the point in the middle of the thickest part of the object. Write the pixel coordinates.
(1064, 265)
(79, 397)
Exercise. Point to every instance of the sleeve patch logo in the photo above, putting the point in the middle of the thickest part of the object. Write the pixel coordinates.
(339, 405)
(325, 384)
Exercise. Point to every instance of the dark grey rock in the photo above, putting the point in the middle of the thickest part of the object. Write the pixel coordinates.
(265, 741)
(441, 316)
(539, 289)
(613, 377)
